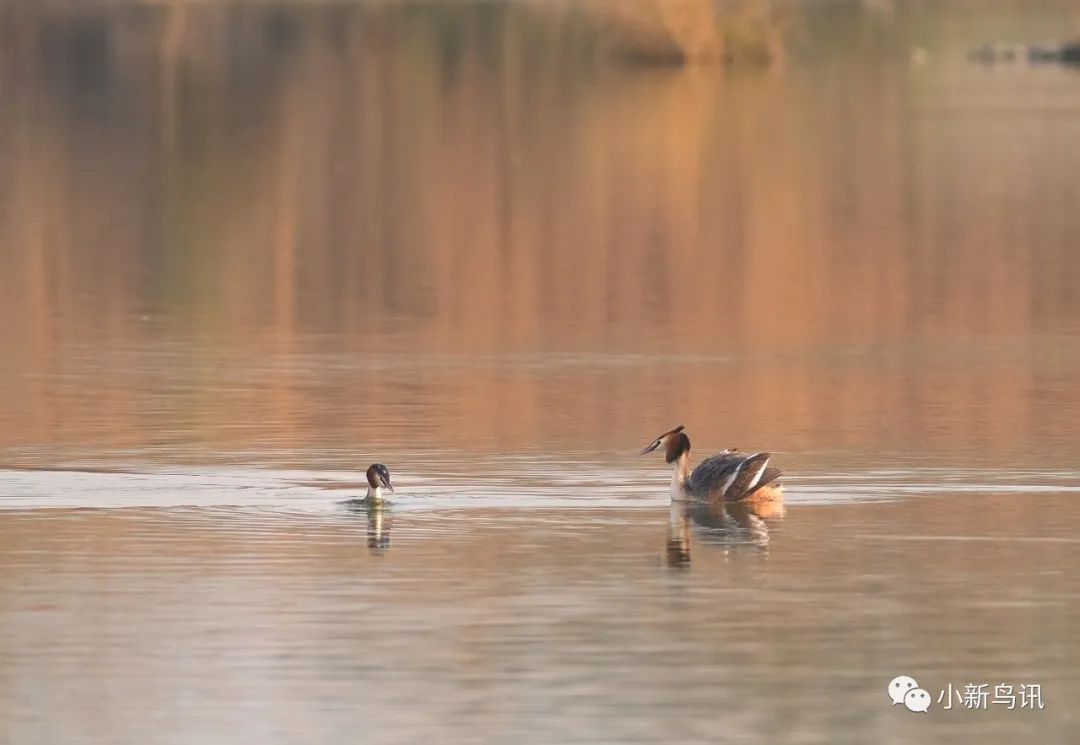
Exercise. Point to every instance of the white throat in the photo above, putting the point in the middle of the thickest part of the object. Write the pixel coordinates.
(374, 492)
(679, 475)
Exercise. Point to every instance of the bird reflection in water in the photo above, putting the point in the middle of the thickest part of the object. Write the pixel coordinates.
(729, 526)
(379, 522)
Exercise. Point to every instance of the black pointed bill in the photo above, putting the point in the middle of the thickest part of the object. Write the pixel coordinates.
(650, 448)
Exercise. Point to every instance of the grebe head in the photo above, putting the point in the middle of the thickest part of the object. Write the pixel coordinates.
(675, 444)
(378, 476)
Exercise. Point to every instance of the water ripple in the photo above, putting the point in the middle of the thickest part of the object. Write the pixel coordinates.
(520, 483)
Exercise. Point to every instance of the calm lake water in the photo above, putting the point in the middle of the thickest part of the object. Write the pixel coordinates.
(245, 251)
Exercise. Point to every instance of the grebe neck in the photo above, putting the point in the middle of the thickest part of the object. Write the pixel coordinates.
(680, 474)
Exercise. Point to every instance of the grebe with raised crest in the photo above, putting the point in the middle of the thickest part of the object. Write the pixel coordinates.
(728, 476)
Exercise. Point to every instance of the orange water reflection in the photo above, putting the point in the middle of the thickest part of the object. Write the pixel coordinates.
(232, 228)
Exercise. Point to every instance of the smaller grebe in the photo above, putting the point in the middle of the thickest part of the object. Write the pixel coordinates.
(725, 477)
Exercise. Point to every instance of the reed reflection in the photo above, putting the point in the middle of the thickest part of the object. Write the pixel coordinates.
(330, 213)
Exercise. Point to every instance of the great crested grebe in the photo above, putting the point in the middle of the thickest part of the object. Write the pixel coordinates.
(378, 478)
(725, 477)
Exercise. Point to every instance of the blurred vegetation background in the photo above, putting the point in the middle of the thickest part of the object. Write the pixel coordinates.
(202, 205)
